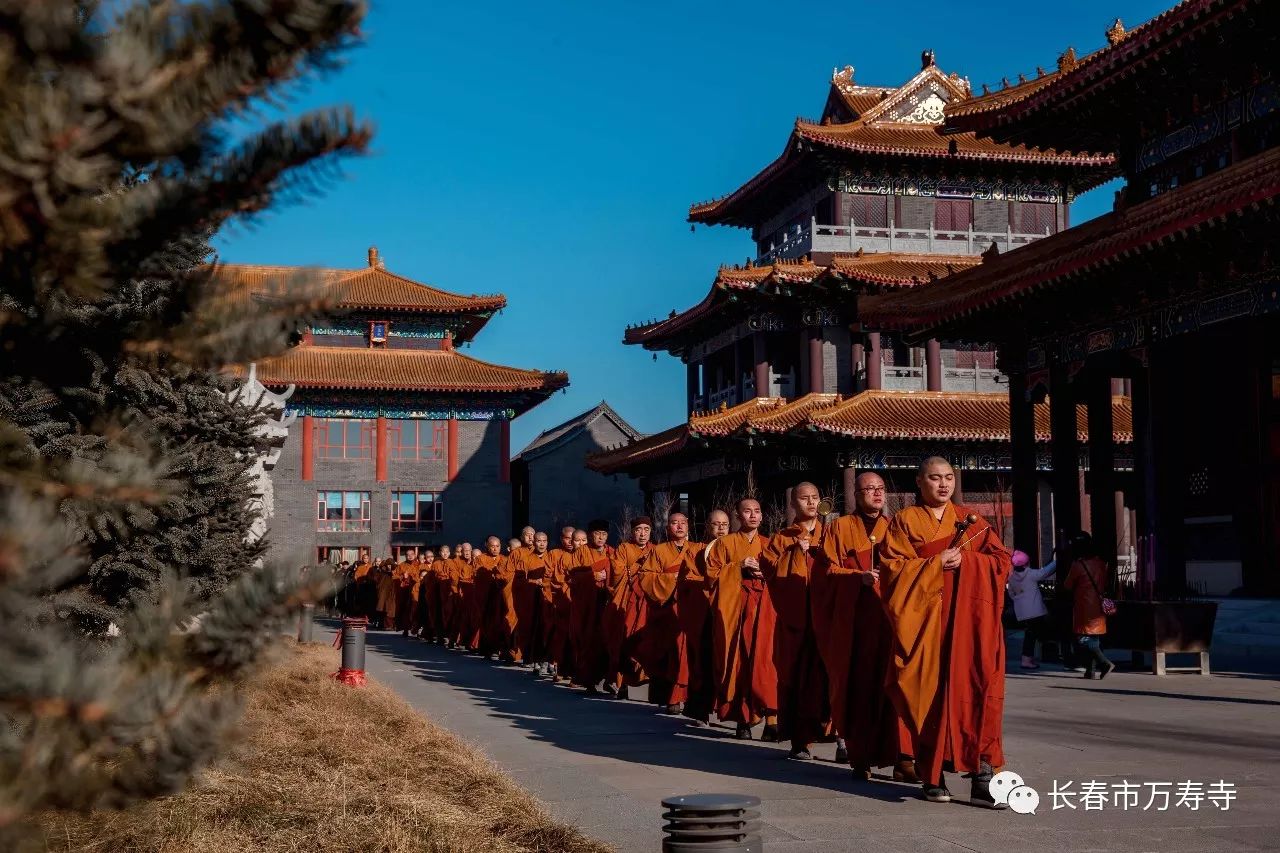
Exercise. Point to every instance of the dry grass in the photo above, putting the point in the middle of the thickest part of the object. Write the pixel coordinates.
(323, 767)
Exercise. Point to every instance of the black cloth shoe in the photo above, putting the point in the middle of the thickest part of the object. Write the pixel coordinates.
(623, 693)
(743, 732)
(770, 733)
(675, 708)
(862, 774)
(937, 793)
(842, 754)
(980, 789)
(1110, 668)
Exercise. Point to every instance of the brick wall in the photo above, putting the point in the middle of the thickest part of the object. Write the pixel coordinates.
(562, 490)
(475, 504)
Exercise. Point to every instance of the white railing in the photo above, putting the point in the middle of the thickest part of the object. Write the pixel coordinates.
(890, 238)
(914, 378)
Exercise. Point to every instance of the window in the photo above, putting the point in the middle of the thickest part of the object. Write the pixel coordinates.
(411, 439)
(335, 555)
(869, 211)
(344, 438)
(953, 214)
(338, 512)
(420, 511)
(1036, 218)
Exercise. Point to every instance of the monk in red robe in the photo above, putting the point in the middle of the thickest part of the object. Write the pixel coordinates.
(804, 712)
(854, 637)
(588, 595)
(743, 627)
(618, 622)
(490, 612)
(555, 594)
(694, 595)
(530, 572)
(657, 646)
(943, 589)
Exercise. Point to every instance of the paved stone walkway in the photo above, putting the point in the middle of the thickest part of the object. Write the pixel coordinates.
(604, 765)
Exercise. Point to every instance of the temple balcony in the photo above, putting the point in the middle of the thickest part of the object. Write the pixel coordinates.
(912, 378)
(805, 240)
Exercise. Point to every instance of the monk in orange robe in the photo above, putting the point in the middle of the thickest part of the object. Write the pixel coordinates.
(447, 571)
(461, 626)
(804, 711)
(617, 623)
(944, 592)
(854, 638)
(405, 577)
(388, 590)
(657, 647)
(694, 594)
(588, 595)
(556, 605)
(743, 627)
(530, 572)
(490, 611)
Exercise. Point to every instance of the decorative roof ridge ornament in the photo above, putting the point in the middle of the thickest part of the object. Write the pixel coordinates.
(1068, 59)
(927, 59)
(1115, 33)
(991, 253)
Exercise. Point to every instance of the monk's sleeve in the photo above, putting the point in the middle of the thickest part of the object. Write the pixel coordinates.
(720, 566)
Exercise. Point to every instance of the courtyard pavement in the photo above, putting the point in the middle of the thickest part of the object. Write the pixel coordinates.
(604, 764)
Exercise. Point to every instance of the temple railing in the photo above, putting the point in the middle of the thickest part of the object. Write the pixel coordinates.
(890, 238)
(912, 378)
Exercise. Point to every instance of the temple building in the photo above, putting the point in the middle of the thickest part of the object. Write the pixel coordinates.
(554, 488)
(785, 379)
(401, 440)
(1173, 296)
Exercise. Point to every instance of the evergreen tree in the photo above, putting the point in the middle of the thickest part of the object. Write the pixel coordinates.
(122, 465)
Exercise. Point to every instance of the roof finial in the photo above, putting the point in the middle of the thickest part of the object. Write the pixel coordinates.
(927, 59)
(373, 256)
(1068, 59)
(1116, 32)
(992, 252)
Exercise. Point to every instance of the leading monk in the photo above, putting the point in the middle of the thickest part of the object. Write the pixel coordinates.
(944, 591)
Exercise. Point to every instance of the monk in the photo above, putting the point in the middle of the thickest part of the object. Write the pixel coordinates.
(854, 639)
(388, 590)
(555, 637)
(445, 571)
(657, 647)
(461, 625)
(588, 595)
(492, 625)
(943, 589)
(363, 592)
(620, 634)
(529, 566)
(405, 576)
(787, 562)
(743, 627)
(428, 589)
(694, 595)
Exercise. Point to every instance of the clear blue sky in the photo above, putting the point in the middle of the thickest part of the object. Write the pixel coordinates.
(550, 151)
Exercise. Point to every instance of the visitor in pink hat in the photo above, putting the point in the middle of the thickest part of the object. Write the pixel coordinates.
(1028, 604)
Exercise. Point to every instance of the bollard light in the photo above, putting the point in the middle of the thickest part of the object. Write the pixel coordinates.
(306, 624)
(352, 641)
(701, 823)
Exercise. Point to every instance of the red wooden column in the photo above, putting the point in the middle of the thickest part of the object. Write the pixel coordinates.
(816, 376)
(504, 451)
(308, 448)
(875, 378)
(933, 364)
(380, 449)
(760, 353)
(453, 449)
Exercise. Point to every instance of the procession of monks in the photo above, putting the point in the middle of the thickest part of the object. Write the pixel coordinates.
(880, 634)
